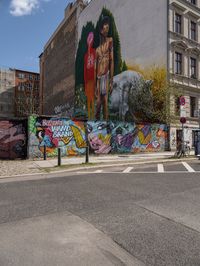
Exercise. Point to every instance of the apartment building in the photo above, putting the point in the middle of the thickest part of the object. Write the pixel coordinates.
(57, 65)
(7, 84)
(163, 33)
(184, 63)
(19, 93)
(26, 100)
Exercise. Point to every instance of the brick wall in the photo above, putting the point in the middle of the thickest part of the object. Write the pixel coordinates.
(58, 69)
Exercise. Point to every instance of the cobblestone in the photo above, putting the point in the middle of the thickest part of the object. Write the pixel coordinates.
(12, 168)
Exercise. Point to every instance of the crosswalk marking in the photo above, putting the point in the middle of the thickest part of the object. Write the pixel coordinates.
(98, 171)
(188, 167)
(161, 168)
(128, 170)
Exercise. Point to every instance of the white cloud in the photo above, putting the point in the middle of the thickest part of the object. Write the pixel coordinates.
(24, 7)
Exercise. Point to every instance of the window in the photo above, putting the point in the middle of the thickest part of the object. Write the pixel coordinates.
(193, 67)
(193, 2)
(178, 19)
(193, 29)
(21, 75)
(29, 86)
(192, 106)
(30, 77)
(178, 63)
(21, 86)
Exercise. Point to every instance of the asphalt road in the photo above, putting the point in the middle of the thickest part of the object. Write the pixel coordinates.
(152, 211)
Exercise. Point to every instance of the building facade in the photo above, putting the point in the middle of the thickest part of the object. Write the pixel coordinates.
(7, 84)
(19, 93)
(142, 34)
(184, 65)
(27, 98)
(57, 65)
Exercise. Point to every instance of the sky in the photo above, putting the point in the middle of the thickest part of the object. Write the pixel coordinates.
(25, 28)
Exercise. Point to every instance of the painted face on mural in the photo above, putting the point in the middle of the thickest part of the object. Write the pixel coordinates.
(105, 26)
(105, 30)
(90, 39)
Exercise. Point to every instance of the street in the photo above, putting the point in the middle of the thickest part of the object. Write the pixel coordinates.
(151, 211)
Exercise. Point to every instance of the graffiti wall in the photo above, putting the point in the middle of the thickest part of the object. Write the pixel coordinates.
(53, 133)
(103, 137)
(13, 139)
(118, 137)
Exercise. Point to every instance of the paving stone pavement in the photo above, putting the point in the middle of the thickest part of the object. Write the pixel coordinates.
(17, 167)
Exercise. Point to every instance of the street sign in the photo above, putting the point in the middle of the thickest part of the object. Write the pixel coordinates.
(182, 111)
(183, 120)
(182, 100)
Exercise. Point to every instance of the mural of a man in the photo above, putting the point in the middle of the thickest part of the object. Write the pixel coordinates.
(104, 68)
(90, 75)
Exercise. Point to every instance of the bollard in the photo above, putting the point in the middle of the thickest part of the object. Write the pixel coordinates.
(87, 154)
(59, 156)
(45, 153)
(87, 144)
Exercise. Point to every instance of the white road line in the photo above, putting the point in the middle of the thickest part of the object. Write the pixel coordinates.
(128, 170)
(161, 168)
(98, 171)
(188, 167)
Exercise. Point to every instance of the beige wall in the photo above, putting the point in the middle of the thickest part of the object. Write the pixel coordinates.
(142, 26)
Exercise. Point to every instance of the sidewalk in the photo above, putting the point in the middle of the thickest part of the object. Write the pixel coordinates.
(32, 167)
(105, 159)
(59, 239)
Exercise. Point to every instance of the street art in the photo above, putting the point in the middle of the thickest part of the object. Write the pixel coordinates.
(54, 133)
(90, 75)
(104, 89)
(119, 137)
(13, 139)
(103, 137)
(64, 110)
(105, 68)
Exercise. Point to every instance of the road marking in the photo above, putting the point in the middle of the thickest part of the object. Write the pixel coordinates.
(128, 170)
(188, 167)
(136, 173)
(98, 171)
(161, 168)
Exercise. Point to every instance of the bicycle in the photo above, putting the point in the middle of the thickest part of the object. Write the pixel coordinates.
(183, 151)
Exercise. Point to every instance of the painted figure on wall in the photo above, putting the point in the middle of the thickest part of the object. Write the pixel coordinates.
(105, 69)
(90, 75)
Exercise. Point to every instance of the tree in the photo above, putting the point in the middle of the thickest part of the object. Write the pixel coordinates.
(162, 91)
(124, 66)
(162, 94)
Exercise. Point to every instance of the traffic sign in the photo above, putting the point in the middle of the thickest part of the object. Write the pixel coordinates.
(182, 100)
(183, 120)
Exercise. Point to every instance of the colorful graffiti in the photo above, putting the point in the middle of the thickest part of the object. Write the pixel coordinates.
(13, 138)
(53, 133)
(103, 137)
(118, 137)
